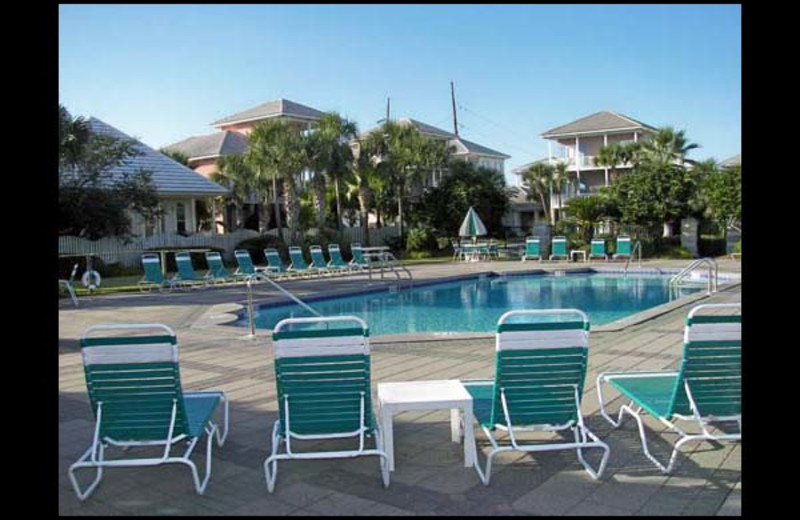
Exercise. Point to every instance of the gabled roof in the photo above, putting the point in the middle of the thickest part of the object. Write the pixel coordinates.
(169, 177)
(463, 146)
(598, 122)
(211, 145)
(521, 168)
(478, 149)
(276, 108)
(736, 160)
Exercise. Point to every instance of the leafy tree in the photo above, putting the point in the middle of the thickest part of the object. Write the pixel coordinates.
(176, 156)
(723, 191)
(443, 208)
(653, 194)
(561, 179)
(668, 146)
(92, 201)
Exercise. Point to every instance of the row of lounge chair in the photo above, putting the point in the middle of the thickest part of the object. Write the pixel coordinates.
(322, 375)
(559, 249)
(186, 276)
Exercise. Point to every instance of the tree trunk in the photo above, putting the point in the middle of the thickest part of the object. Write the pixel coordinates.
(292, 206)
(319, 202)
(363, 202)
(276, 207)
(338, 205)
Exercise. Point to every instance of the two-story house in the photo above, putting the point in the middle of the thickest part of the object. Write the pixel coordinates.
(578, 143)
(231, 138)
(463, 149)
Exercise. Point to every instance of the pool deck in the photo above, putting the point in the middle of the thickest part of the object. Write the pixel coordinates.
(429, 477)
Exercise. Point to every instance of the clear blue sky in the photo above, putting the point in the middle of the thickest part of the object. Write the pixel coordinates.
(163, 73)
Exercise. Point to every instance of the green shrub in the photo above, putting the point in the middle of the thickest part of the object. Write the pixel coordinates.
(675, 252)
(419, 240)
(737, 247)
(711, 246)
(416, 255)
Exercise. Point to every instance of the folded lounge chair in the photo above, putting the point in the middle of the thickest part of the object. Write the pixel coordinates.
(598, 249)
(186, 275)
(153, 277)
(299, 265)
(532, 249)
(559, 248)
(69, 285)
(324, 392)
(135, 393)
(539, 375)
(707, 387)
(623, 247)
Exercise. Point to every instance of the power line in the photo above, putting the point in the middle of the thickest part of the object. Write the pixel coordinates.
(503, 127)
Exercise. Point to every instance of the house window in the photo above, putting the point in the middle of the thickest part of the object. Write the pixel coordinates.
(180, 217)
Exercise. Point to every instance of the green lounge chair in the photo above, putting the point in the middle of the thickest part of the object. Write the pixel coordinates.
(323, 386)
(623, 247)
(559, 248)
(358, 259)
(337, 261)
(299, 265)
(539, 376)
(276, 266)
(318, 261)
(153, 277)
(532, 249)
(186, 275)
(706, 388)
(135, 393)
(246, 267)
(598, 249)
(217, 272)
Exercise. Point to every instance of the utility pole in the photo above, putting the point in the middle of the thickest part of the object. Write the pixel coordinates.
(387, 108)
(455, 116)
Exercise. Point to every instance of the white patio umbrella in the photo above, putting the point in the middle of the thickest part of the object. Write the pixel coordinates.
(472, 225)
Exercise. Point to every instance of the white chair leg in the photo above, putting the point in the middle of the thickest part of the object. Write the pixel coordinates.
(81, 464)
(271, 463)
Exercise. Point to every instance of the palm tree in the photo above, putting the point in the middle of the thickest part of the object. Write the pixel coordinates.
(611, 156)
(538, 180)
(332, 158)
(586, 212)
(668, 146)
(277, 149)
(235, 173)
(561, 179)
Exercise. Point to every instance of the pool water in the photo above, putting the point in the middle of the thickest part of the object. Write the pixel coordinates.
(475, 304)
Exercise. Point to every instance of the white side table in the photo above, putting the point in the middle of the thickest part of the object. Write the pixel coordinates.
(427, 395)
(573, 254)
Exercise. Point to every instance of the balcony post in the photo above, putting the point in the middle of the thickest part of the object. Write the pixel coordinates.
(605, 143)
(578, 161)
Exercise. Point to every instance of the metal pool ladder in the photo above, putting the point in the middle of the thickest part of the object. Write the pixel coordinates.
(250, 312)
(713, 273)
(636, 247)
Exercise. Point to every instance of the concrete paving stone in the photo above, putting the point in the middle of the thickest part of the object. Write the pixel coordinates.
(337, 504)
(300, 494)
(733, 503)
(264, 506)
(591, 508)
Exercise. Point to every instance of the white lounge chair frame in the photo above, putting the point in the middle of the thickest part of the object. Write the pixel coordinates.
(690, 333)
(94, 457)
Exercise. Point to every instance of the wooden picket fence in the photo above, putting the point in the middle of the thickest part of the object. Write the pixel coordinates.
(128, 252)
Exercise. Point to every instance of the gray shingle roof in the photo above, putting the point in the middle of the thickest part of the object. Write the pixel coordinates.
(211, 145)
(736, 160)
(275, 108)
(480, 149)
(169, 177)
(598, 122)
(432, 131)
(521, 168)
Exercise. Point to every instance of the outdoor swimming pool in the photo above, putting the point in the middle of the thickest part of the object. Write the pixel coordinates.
(475, 304)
